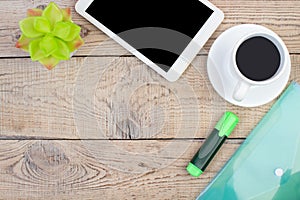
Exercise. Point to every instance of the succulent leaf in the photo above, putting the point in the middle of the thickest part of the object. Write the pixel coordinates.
(67, 31)
(42, 25)
(75, 31)
(53, 13)
(23, 42)
(75, 44)
(62, 52)
(34, 12)
(27, 28)
(62, 30)
(48, 45)
(35, 52)
(49, 62)
(66, 14)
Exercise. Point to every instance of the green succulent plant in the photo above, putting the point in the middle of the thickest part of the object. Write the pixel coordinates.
(49, 35)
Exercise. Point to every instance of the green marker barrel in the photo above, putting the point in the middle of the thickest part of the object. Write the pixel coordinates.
(212, 144)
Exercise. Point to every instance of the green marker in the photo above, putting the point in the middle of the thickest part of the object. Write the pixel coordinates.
(212, 144)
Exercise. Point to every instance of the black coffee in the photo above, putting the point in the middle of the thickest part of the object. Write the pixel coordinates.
(258, 58)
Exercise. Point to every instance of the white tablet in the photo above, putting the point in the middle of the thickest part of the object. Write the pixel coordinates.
(164, 34)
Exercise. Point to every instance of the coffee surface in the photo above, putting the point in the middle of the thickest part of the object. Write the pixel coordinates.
(258, 58)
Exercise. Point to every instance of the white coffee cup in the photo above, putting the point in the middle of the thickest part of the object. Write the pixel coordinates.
(245, 83)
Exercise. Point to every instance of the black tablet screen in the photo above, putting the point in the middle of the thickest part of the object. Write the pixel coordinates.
(159, 29)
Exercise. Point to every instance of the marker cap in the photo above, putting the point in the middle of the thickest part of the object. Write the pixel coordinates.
(193, 170)
(226, 124)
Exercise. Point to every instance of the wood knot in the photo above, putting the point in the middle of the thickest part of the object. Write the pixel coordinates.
(84, 31)
(42, 7)
(45, 155)
(128, 129)
(46, 167)
(16, 35)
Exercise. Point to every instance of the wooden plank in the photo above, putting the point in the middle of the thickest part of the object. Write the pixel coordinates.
(74, 100)
(37, 105)
(66, 170)
(281, 16)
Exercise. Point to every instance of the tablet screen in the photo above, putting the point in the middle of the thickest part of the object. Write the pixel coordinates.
(158, 29)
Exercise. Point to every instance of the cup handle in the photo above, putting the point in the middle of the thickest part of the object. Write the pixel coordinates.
(241, 90)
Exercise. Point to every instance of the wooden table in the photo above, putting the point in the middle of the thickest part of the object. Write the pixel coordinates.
(48, 148)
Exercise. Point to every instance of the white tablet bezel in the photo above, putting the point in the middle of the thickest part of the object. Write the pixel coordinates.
(187, 55)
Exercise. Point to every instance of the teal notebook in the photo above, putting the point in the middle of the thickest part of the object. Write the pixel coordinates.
(267, 164)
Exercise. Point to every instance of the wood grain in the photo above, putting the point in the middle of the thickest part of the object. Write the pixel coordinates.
(40, 103)
(35, 169)
(280, 16)
(66, 134)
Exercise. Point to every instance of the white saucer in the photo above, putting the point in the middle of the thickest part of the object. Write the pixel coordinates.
(224, 81)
